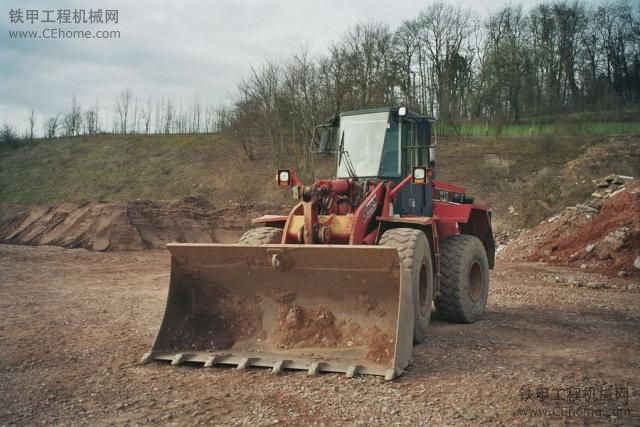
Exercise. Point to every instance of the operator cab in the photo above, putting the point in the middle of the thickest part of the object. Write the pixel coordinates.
(382, 144)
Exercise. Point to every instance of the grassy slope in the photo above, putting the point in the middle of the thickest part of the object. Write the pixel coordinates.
(113, 168)
(549, 129)
(612, 122)
(536, 175)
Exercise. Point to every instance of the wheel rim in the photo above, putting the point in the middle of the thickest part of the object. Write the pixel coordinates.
(475, 281)
(422, 291)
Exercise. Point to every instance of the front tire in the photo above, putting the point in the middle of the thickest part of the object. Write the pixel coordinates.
(464, 284)
(415, 255)
(261, 236)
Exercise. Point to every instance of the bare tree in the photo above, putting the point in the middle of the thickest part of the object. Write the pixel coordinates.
(406, 40)
(168, 117)
(196, 116)
(134, 122)
(92, 120)
(72, 121)
(159, 117)
(32, 124)
(146, 115)
(8, 134)
(122, 110)
(51, 126)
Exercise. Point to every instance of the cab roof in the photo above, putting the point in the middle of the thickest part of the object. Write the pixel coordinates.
(410, 114)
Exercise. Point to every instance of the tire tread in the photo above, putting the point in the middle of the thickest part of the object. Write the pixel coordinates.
(449, 303)
(261, 236)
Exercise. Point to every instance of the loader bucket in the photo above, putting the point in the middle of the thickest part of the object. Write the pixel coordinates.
(319, 308)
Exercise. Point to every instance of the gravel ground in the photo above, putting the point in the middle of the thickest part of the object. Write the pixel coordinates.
(73, 325)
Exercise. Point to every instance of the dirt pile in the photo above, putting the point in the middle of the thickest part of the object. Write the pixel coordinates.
(135, 225)
(603, 233)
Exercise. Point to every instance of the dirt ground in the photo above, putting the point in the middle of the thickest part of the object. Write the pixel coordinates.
(74, 324)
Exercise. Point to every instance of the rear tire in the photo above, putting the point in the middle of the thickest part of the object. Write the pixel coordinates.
(415, 255)
(464, 284)
(261, 236)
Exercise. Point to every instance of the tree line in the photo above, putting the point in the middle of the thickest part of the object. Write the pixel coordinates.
(130, 115)
(516, 64)
(558, 57)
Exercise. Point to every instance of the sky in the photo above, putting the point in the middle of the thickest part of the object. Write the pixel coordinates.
(177, 49)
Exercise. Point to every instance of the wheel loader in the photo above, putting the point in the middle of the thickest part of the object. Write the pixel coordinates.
(347, 280)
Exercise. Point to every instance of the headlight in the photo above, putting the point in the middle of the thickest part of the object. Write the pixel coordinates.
(284, 178)
(419, 175)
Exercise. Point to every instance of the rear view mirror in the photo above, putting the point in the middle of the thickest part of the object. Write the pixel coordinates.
(323, 140)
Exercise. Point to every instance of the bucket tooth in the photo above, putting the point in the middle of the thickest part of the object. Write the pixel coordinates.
(210, 362)
(178, 359)
(390, 374)
(314, 369)
(146, 358)
(352, 371)
(277, 367)
(243, 363)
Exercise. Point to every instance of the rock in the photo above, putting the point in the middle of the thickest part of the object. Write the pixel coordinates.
(590, 247)
(495, 162)
(610, 178)
(597, 285)
(612, 243)
(587, 208)
(606, 251)
(583, 266)
(618, 234)
(572, 280)
(636, 263)
(632, 286)
(512, 210)
(101, 244)
(597, 195)
(615, 192)
(622, 273)
(544, 205)
(618, 181)
(603, 184)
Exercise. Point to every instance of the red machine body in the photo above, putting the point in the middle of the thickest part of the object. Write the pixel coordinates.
(349, 211)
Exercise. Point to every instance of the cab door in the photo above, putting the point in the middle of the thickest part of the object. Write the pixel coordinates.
(415, 199)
